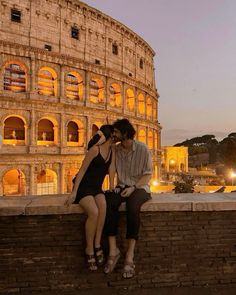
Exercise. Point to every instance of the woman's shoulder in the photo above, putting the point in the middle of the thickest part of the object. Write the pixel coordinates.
(93, 151)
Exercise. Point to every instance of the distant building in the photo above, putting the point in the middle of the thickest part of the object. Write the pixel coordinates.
(174, 162)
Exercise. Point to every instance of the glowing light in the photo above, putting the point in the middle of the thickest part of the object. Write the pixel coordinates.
(155, 182)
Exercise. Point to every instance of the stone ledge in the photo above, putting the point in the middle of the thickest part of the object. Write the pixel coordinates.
(54, 204)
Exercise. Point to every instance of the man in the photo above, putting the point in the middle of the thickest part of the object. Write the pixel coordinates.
(134, 170)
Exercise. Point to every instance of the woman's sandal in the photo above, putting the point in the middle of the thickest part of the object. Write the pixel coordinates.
(111, 263)
(91, 262)
(128, 270)
(99, 255)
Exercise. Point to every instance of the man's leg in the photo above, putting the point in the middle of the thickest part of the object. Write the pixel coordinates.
(133, 206)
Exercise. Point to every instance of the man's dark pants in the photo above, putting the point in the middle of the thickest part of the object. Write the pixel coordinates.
(133, 206)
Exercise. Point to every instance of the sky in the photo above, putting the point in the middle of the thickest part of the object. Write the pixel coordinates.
(195, 62)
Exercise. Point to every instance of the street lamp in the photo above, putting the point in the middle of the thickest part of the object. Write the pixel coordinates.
(232, 175)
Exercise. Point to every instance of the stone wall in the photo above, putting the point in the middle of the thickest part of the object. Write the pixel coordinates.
(187, 240)
(49, 22)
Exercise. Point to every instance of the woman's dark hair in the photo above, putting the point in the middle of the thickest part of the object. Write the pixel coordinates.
(107, 131)
(125, 127)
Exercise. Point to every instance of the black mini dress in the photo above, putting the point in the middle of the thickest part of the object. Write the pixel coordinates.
(91, 183)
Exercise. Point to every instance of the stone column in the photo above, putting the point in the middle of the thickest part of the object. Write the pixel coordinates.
(33, 129)
(33, 184)
(63, 137)
(87, 87)
(61, 187)
(62, 84)
(33, 76)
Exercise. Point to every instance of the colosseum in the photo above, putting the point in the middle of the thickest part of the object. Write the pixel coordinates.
(66, 68)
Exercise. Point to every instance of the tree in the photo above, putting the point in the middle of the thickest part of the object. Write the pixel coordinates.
(184, 186)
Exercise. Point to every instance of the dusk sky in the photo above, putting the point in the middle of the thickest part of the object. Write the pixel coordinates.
(195, 45)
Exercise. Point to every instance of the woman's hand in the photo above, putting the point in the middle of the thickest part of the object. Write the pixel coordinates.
(70, 199)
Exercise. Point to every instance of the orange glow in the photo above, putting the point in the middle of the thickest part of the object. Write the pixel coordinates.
(96, 91)
(130, 100)
(74, 86)
(115, 95)
(142, 136)
(47, 82)
(141, 104)
(149, 107)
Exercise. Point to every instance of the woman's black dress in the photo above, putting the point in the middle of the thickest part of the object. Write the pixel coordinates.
(91, 183)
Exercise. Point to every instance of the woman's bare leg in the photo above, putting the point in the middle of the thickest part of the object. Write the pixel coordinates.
(89, 205)
(101, 205)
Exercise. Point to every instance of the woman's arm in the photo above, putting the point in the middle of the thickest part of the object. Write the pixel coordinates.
(112, 169)
(90, 155)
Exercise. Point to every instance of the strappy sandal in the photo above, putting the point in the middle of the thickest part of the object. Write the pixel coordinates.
(99, 256)
(91, 262)
(128, 270)
(111, 263)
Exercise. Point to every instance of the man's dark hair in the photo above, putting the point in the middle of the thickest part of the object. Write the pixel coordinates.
(125, 127)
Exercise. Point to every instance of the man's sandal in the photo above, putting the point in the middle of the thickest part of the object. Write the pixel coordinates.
(91, 262)
(128, 270)
(111, 263)
(99, 256)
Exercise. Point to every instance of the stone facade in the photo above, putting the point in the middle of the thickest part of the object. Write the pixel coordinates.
(65, 69)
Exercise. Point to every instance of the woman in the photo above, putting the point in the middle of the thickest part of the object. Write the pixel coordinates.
(87, 191)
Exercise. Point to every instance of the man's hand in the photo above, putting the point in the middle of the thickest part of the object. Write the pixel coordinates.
(127, 191)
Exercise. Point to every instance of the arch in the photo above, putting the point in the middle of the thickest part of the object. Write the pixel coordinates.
(155, 140)
(154, 113)
(172, 165)
(69, 179)
(141, 104)
(75, 133)
(46, 132)
(74, 86)
(150, 139)
(14, 130)
(15, 77)
(115, 95)
(47, 182)
(14, 183)
(149, 107)
(47, 82)
(142, 136)
(182, 167)
(96, 91)
(130, 100)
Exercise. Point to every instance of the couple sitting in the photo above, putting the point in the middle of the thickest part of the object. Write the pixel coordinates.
(131, 160)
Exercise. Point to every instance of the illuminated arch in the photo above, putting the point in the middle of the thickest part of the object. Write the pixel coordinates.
(15, 77)
(69, 179)
(150, 139)
(141, 104)
(96, 125)
(14, 130)
(155, 140)
(47, 82)
(154, 113)
(149, 107)
(47, 131)
(14, 183)
(74, 86)
(115, 95)
(130, 100)
(47, 182)
(142, 136)
(75, 133)
(96, 91)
